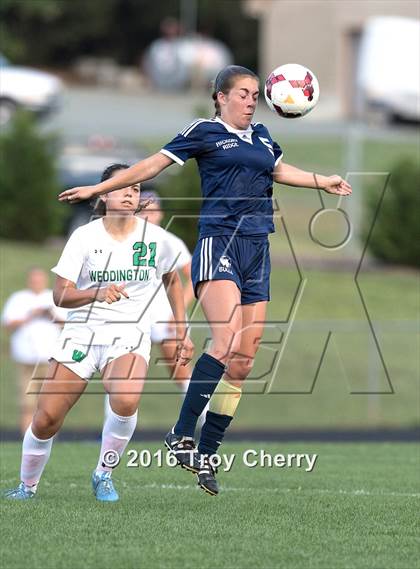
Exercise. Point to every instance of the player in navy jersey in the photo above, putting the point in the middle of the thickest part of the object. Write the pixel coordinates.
(238, 161)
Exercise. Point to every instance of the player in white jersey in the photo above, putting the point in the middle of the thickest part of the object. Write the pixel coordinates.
(104, 276)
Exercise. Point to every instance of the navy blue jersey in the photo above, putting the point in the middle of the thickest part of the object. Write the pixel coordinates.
(236, 176)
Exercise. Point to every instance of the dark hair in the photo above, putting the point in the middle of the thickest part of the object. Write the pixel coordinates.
(225, 80)
(110, 170)
(99, 207)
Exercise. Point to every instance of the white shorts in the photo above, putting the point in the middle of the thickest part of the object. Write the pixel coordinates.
(160, 330)
(85, 360)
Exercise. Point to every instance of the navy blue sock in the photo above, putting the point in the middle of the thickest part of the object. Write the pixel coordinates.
(205, 377)
(213, 432)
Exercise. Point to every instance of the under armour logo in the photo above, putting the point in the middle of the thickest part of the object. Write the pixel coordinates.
(98, 250)
(206, 395)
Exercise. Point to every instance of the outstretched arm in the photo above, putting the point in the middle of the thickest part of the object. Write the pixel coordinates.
(292, 176)
(139, 172)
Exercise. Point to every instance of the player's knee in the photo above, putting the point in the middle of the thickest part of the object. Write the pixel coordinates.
(124, 405)
(239, 368)
(224, 349)
(45, 423)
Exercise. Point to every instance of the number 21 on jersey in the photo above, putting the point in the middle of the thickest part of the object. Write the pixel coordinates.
(141, 252)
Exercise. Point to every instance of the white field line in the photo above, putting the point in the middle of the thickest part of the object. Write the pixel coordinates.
(188, 487)
(360, 492)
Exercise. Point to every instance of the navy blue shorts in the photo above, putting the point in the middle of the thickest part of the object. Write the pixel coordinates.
(245, 261)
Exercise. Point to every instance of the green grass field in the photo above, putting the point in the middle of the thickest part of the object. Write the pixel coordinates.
(357, 509)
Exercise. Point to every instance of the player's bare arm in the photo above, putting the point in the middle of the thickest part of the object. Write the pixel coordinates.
(173, 287)
(66, 294)
(292, 176)
(140, 172)
(185, 271)
(188, 289)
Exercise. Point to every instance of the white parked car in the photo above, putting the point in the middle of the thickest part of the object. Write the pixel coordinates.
(389, 68)
(23, 87)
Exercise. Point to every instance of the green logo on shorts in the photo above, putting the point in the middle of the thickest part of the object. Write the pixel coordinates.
(78, 356)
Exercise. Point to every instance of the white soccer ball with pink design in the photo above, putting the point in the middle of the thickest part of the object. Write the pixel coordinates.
(291, 90)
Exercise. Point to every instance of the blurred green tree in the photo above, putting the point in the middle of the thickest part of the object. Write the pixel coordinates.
(28, 182)
(181, 201)
(56, 32)
(395, 236)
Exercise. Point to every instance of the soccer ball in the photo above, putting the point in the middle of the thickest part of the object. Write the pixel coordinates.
(291, 90)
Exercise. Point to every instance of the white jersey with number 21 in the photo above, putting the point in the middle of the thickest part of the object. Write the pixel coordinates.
(93, 258)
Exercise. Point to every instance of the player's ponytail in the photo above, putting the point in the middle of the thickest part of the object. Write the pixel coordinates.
(216, 104)
(225, 80)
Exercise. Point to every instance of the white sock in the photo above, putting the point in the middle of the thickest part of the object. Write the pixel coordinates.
(116, 435)
(35, 455)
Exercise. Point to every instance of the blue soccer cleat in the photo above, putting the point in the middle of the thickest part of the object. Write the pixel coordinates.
(20, 493)
(103, 487)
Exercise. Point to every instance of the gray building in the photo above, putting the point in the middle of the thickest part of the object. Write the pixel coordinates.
(322, 34)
